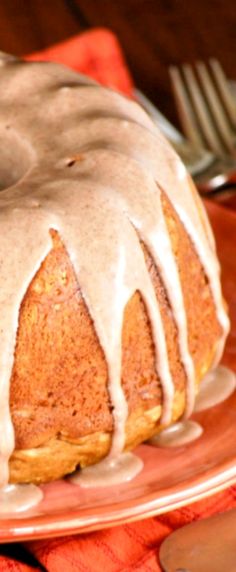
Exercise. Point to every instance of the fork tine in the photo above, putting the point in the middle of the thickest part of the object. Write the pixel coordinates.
(186, 114)
(202, 113)
(224, 89)
(215, 106)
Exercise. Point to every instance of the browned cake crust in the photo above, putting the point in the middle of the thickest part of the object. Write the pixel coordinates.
(59, 400)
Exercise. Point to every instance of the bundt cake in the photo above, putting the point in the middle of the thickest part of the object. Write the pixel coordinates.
(111, 305)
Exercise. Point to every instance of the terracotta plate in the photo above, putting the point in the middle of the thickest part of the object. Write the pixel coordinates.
(171, 477)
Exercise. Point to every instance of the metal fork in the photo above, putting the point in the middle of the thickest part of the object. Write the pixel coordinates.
(206, 545)
(207, 111)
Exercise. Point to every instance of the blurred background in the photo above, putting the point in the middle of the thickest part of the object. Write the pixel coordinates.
(152, 33)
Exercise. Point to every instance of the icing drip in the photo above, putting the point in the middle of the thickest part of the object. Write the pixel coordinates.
(18, 498)
(109, 472)
(216, 386)
(99, 175)
(178, 434)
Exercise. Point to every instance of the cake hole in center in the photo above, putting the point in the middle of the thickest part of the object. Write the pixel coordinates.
(16, 158)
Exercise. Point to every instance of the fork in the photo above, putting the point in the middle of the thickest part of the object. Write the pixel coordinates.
(206, 545)
(207, 113)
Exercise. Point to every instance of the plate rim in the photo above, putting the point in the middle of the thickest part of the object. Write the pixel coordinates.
(22, 529)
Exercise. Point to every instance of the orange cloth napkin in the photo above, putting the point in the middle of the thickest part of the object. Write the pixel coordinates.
(96, 53)
(131, 547)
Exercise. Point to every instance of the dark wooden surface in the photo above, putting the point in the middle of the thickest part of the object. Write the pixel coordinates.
(153, 33)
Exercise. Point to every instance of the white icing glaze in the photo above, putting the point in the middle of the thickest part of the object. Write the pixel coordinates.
(18, 498)
(216, 386)
(177, 434)
(112, 190)
(109, 472)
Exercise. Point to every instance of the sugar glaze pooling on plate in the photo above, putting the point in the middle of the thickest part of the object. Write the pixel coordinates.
(115, 137)
(216, 386)
(178, 434)
(19, 498)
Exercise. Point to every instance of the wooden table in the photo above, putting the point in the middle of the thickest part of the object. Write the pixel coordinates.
(153, 33)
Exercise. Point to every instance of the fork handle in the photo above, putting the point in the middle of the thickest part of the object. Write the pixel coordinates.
(208, 545)
(216, 177)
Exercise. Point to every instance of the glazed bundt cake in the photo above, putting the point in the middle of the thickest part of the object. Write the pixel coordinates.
(111, 305)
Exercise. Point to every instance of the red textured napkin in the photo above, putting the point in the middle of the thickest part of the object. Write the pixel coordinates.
(96, 53)
(131, 547)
